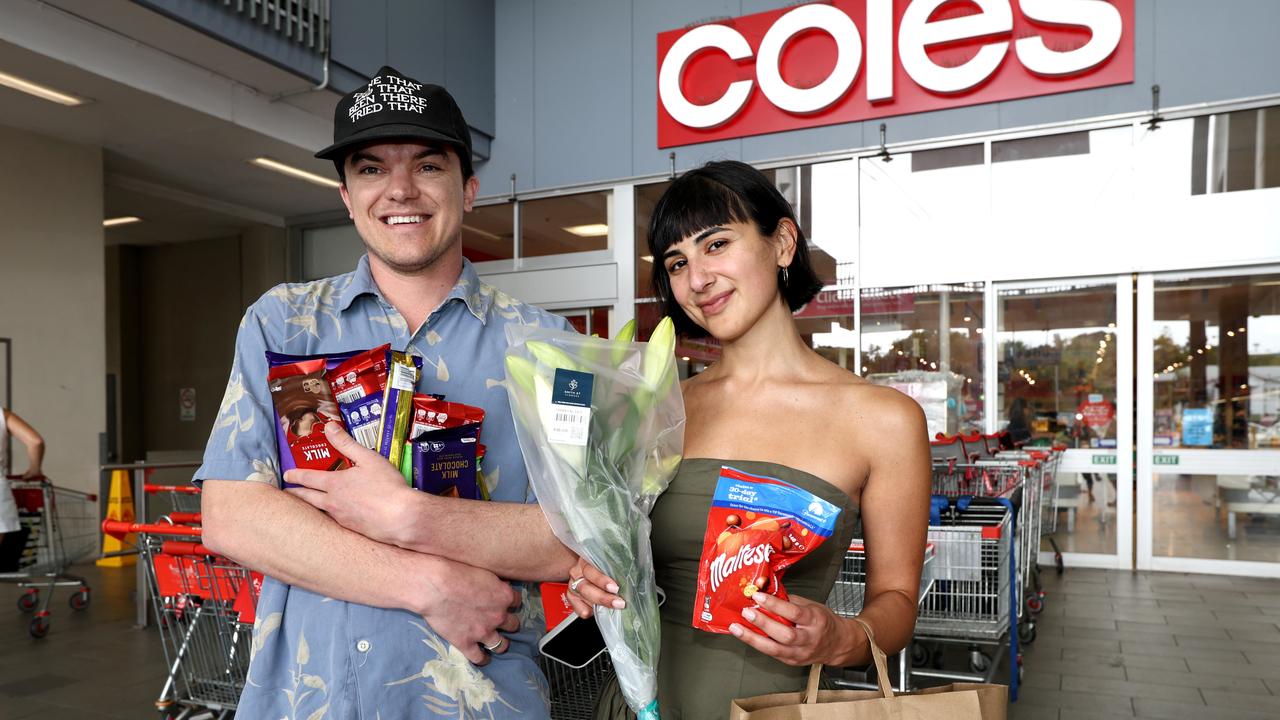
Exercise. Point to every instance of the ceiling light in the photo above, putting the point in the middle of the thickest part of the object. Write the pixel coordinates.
(277, 166)
(123, 220)
(967, 318)
(647, 258)
(1231, 333)
(684, 358)
(589, 230)
(39, 91)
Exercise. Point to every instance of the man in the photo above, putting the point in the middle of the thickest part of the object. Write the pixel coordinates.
(382, 601)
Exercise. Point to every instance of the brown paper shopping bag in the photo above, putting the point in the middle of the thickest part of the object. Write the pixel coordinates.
(958, 701)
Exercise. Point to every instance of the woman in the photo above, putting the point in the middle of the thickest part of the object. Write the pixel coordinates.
(13, 537)
(731, 263)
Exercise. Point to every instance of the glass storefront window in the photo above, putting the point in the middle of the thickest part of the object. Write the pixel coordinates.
(488, 233)
(1057, 364)
(1216, 404)
(1217, 360)
(1236, 151)
(1056, 383)
(927, 341)
(564, 224)
(588, 321)
(646, 198)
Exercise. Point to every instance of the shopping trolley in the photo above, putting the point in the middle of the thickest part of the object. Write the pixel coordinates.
(1043, 463)
(182, 498)
(61, 527)
(573, 692)
(848, 597)
(974, 590)
(205, 607)
(1016, 476)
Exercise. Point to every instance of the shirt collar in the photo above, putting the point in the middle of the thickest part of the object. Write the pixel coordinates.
(469, 289)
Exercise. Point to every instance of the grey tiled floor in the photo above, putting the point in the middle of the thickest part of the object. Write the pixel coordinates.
(1154, 645)
(1110, 645)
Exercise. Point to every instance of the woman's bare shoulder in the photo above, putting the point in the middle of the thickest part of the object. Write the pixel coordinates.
(878, 407)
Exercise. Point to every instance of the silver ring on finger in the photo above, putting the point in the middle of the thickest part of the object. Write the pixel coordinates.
(491, 648)
(574, 584)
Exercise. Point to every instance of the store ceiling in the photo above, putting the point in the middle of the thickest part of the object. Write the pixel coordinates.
(183, 171)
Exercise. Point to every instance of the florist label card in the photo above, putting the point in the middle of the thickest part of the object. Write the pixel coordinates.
(571, 396)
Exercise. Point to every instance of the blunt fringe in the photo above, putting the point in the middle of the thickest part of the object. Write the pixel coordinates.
(721, 192)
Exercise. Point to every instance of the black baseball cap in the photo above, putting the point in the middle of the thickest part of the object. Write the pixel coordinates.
(392, 106)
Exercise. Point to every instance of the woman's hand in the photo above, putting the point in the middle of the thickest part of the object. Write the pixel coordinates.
(588, 587)
(818, 636)
(33, 473)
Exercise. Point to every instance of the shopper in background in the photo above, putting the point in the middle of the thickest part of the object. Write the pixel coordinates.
(731, 263)
(382, 601)
(13, 537)
(1019, 427)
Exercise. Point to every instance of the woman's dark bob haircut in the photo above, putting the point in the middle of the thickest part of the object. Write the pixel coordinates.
(719, 193)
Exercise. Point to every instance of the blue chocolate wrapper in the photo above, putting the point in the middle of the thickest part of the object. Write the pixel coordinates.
(444, 462)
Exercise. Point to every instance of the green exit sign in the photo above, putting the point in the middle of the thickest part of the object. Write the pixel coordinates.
(1104, 459)
(1165, 460)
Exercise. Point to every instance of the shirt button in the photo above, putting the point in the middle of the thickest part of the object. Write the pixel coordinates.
(363, 646)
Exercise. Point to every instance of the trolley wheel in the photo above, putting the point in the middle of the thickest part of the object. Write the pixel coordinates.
(1027, 633)
(919, 654)
(79, 600)
(39, 627)
(1035, 604)
(28, 600)
(978, 661)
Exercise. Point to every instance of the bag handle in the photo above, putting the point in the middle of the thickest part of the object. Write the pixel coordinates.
(877, 655)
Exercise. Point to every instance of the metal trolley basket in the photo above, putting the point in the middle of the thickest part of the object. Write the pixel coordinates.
(848, 595)
(975, 590)
(61, 527)
(205, 607)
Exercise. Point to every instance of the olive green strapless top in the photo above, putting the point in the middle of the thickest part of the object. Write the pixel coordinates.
(699, 672)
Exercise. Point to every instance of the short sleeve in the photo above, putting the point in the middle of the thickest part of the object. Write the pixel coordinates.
(242, 445)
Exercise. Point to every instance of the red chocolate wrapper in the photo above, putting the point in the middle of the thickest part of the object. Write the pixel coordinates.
(304, 404)
(435, 413)
(758, 527)
(358, 384)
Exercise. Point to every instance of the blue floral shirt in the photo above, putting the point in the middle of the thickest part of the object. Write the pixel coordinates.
(315, 657)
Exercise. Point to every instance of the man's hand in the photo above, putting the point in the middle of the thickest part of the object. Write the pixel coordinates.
(370, 498)
(470, 613)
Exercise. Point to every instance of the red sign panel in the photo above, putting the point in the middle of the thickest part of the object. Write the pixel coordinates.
(844, 61)
(1096, 414)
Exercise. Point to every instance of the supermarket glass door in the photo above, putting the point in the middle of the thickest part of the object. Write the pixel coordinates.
(1063, 363)
(1209, 421)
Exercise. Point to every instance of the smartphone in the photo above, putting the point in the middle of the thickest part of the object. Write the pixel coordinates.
(576, 642)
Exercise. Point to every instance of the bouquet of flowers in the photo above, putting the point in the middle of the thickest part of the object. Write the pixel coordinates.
(601, 425)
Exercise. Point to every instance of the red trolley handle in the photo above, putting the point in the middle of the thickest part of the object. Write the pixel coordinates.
(184, 518)
(179, 489)
(120, 528)
(184, 547)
